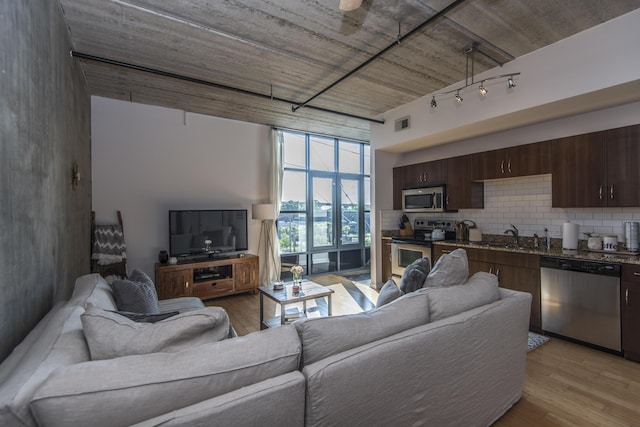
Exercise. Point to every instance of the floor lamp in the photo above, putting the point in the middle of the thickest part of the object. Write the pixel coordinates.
(267, 213)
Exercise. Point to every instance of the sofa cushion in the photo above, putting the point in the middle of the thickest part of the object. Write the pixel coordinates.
(450, 270)
(480, 289)
(322, 337)
(56, 341)
(111, 335)
(137, 297)
(389, 292)
(127, 390)
(92, 289)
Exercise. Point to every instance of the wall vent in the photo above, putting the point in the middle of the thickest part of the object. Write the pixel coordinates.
(402, 124)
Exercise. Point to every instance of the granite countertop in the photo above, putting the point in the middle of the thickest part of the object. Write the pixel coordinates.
(556, 251)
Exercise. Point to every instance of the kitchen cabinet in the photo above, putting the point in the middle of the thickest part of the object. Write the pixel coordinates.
(521, 160)
(386, 258)
(516, 271)
(462, 193)
(630, 311)
(598, 169)
(417, 175)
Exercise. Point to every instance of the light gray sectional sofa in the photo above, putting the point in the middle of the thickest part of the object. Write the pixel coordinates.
(441, 356)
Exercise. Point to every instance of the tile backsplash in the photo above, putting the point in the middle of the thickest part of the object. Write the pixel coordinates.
(526, 203)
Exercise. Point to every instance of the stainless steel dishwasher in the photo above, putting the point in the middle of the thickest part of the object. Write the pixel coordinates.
(581, 300)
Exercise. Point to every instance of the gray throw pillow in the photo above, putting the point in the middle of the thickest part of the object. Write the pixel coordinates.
(136, 297)
(110, 335)
(450, 270)
(389, 292)
(142, 277)
(413, 278)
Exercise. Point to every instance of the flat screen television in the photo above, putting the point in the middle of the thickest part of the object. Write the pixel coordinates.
(198, 233)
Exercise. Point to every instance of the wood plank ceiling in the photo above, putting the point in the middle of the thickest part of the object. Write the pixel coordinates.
(280, 53)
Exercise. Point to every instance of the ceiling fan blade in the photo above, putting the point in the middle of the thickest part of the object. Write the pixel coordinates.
(349, 5)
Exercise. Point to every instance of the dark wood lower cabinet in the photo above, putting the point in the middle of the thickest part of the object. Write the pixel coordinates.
(386, 259)
(630, 305)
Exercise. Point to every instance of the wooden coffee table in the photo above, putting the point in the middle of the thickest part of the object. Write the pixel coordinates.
(309, 291)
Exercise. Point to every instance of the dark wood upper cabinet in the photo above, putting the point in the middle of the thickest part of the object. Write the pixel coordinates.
(417, 175)
(598, 169)
(462, 193)
(521, 160)
(623, 166)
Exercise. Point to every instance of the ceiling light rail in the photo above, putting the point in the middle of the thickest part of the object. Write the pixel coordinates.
(469, 52)
(481, 88)
(211, 84)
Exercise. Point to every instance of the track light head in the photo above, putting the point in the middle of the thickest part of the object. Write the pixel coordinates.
(434, 104)
(458, 97)
(511, 83)
(482, 89)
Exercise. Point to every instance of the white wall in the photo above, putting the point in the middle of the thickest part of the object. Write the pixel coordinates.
(147, 160)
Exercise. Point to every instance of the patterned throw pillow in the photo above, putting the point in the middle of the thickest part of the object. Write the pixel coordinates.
(136, 297)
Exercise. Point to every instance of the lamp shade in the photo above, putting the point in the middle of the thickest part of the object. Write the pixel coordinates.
(263, 211)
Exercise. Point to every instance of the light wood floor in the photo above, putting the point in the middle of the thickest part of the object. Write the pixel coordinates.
(565, 385)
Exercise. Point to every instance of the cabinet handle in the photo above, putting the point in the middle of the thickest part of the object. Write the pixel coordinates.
(509, 166)
(446, 251)
(635, 273)
(491, 270)
(498, 273)
(600, 193)
(447, 200)
(502, 167)
(611, 192)
(186, 285)
(626, 297)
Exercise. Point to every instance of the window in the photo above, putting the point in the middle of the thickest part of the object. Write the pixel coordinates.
(325, 207)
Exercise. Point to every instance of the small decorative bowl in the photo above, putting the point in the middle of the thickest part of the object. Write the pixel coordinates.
(278, 286)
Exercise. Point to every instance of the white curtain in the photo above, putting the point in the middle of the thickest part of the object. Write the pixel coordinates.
(272, 263)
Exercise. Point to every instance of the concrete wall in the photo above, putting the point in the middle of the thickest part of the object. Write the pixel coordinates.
(148, 160)
(44, 128)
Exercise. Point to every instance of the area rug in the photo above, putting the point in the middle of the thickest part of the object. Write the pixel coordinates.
(535, 340)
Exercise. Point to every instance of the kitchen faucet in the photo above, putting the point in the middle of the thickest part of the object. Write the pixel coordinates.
(513, 231)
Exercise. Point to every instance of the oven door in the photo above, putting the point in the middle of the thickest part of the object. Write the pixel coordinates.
(403, 254)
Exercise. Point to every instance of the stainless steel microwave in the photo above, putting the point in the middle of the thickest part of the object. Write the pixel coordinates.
(425, 199)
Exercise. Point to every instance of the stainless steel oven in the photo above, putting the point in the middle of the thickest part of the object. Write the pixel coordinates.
(403, 254)
(406, 249)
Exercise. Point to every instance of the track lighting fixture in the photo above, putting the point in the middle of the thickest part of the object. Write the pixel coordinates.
(469, 52)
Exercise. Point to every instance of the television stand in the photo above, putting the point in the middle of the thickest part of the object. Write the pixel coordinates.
(208, 278)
